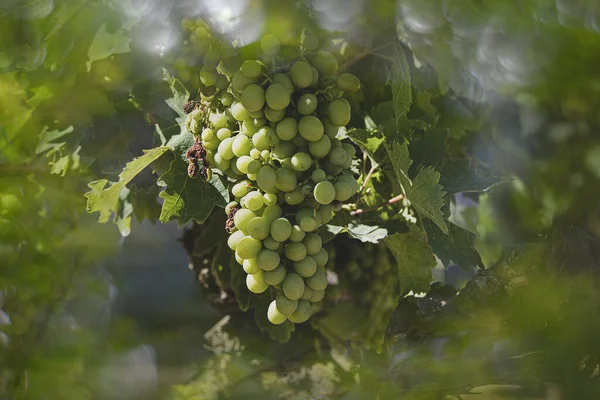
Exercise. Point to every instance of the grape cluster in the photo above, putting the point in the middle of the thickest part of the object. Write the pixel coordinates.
(274, 134)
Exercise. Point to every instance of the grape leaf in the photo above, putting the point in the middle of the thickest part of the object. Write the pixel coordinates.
(366, 233)
(423, 192)
(368, 141)
(415, 260)
(187, 199)
(457, 246)
(180, 94)
(106, 201)
(399, 80)
(106, 44)
(61, 158)
(461, 176)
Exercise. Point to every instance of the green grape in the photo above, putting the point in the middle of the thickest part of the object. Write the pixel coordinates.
(307, 104)
(254, 201)
(274, 115)
(324, 192)
(251, 69)
(210, 156)
(277, 96)
(269, 44)
(318, 175)
(321, 257)
(286, 180)
(325, 62)
(259, 227)
(208, 135)
(297, 234)
(310, 128)
(254, 153)
(272, 212)
(348, 163)
(270, 199)
(239, 82)
(224, 150)
(260, 140)
(249, 128)
(302, 313)
(208, 76)
(234, 239)
(271, 244)
(276, 276)
(315, 76)
(301, 74)
(284, 150)
(240, 189)
(268, 260)
(226, 69)
(252, 177)
(274, 316)
(293, 286)
(248, 247)
(313, 243)
(239, 112)
(337, 206)
(256, 282)
(301, 161)
(337, 156)
(330, 129)
(265, 155)
(222, 83)
(300, 142)
(308, 224)
(272, 136)
(343, 191)
(308, 292)
(317, 296)
(230, 206)
(265, 178)
(348, 83)
(339, 112)
(287, 129)
(285, 81)
(320, 148)
(318, 281)
(234, 169)
(350, 180)
(305, 267)
(241, 145)
(287, 163)
(256, 114)
(253, 166)
(285, 305)
(253, 97)
(218, 120)
(304, 212)
(221, 163)
(212, 144)
(242, 217)
(281, 229)
(294, 251)
(238, 259)
(294, 197)
(251, 266)
(349, 149)
(309, 41)
(227, 99)
(223, 134)
(325, 211)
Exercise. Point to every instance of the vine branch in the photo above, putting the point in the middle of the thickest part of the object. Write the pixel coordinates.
(378, 206)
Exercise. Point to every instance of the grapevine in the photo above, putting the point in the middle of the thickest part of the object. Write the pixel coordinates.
(273, 131)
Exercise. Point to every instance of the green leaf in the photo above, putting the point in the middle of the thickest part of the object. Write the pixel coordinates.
(106, 44)
(399, 80)
(181, 143)
(180, 94)
(457, 246)
(187, 199)
(366, 233)
(415, 260)
(423, 192)
(105, 201)
(368, 141)
(462, 176)
(282, 333)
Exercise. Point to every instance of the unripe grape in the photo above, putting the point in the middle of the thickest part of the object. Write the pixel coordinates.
(325, 63)
(308, 293)
(227, 99)
(274, 316)
(251, 69)
(274, 115)
(308, 224)
(272, 212)
(239, 112)
(223, 134)
(294, 251)
(321, 257)
(208, 76)
(301, 161)
(234, 169)
(222, 82)
(271, 136)
(309, 41)
(348, 83)
(269, 44)
(302, 312)
(266, 178)
(307, 104)
(238, 259)
(240, 189)
(234, 239)
(325, 211)
(239, 82)
(313, 243)
(310, 128)
(248, 247)
(324, 192)
(281, 229)
(330, 129)
(208, 135)
(268, 260)
(270, 199)
(218, 120)
(221, 163)
(315, 76)
(350, 180)
(285, 305)
(277, 96)
(254, 153)
(260, 140)
(293, 286)
(301, 74)
(211, 59)
(242, 217)
(317, 296)
(294, 197)
(276, 276)
(305, 267)
(349, 149)
(249, 128)
(320, 148)
(318, 175)
(251, 266)
(284, 150)
(285, 81)
(287, 128)
(338, 112)
(241, 145)
(271, 244)
(259, 227)
(300, 142)
(343, 191)
(337, 156)
(256, 115)
(256, 282)
(319, 280)
(253, 98)
(225, 69)
(297, 234)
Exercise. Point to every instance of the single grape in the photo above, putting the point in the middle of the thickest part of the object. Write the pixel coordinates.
(339, 112)
(256, 282)
(294, 197)
(301, 161)
(208, 76)
(307, 104)
(248, 247)
(309, 41)
(266, 178)
(308, 293)
(252, 177)
(269, 44)
(311, 128)
(240, 189)
(271, 244)
(302, 313)
(251, 266)
(272, 212)
(220, 162)
(275, 276)
(317, 296)
(308, 224)
(300, 142)
(350, 180)
(313, 243)
(274, 115)
(320, 148)
(305, 267)
(287, 163)
(324, 192)
(230, 206)
(318, 175)
(274, 316)
(227, 99)
(254, 153)
(234, 239)
(284, 150)
(343, 191)
(301, 74)
(251, 69)
(297, 234)
(286, 180)
(325, 211)
(242, 217)
(293, 286)
(348, 83)
(225, 150)
(277, 96)
(319, 280)
(222, 82)
(253, 97)
(234, 169)
(271, 135)
(268, 260)
(325, 62)
(349, 149)
(281, 229)
(348, 163)
(259, 227)
(238, 259)
(223, 133)
(241, 145)
(226, 69)
(315, 76)
(208, 135)
(285, 305)
(285, 81)
(239, 82)
(260, 140)
(294, 251)
(218, 120)
(253, 166)
(337, 156)
(330, 129)
(287, 129)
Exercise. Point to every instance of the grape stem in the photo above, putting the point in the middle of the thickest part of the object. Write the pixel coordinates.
(385, 203)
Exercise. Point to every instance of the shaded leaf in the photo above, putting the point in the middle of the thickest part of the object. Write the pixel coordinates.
(415, 260)
(106, 44)
(461, 176)
(457, 246)
(368, 141)
(180, 93)
(399, 80)
(423, 192)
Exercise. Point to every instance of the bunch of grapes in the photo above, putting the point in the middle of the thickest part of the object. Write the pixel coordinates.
(273, 133)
